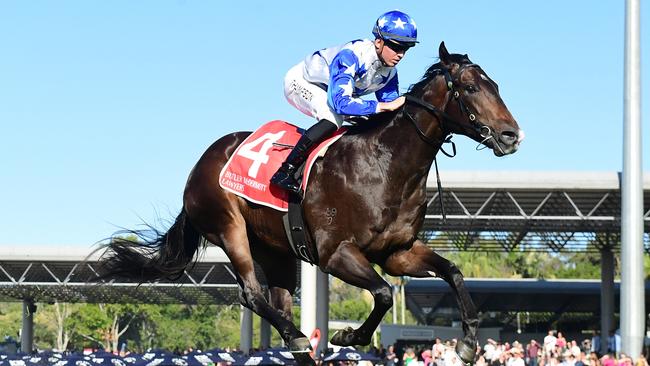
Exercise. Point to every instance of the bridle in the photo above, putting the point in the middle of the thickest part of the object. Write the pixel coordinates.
(482, 129)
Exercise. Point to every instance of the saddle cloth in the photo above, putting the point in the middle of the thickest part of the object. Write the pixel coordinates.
(249, 170)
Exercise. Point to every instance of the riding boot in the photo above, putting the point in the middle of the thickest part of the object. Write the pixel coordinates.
(284, 177)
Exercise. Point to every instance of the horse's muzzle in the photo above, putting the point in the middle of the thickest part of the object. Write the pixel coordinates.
(509, 137)
(508, 140)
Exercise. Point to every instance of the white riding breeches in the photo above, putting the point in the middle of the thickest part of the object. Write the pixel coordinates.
(308, 98)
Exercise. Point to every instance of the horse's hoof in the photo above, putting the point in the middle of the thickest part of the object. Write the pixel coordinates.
(304, 359)
(465, 352)
(300, 345)
(343, 337)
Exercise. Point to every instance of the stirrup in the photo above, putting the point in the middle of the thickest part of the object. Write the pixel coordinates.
(293, 186)
(285, 180)
(284, 172)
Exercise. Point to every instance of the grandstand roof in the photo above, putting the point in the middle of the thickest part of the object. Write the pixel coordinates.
(534, 211)
(64, 274)
(486, 211)
(428, 297)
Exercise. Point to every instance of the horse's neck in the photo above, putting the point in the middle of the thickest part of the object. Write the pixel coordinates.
(412, 156)
(410, 153)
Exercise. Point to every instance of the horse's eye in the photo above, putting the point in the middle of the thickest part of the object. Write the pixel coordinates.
(471, 88)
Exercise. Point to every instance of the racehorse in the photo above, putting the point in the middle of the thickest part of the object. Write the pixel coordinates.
(374, 178)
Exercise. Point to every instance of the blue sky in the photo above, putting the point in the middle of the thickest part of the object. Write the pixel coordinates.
(105, 106)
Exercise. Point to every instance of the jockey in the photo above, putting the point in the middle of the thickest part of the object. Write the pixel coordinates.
(328, 83)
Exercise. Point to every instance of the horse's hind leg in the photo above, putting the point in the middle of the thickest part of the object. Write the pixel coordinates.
(280, 270)
(351, 266)
(421, 261)
(235, 243)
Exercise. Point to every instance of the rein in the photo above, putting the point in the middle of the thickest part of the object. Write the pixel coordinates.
(482, 129)
(441, 117)
(433, 142)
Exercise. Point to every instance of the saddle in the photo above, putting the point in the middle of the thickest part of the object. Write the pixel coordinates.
(251, 166)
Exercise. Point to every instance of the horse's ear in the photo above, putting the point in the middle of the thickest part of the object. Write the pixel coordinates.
(443, 53)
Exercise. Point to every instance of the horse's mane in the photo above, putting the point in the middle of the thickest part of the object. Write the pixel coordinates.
(434, 70)
(374, 121)
(379, 119)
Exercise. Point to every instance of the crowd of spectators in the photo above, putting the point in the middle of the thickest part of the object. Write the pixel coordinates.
(553, 350)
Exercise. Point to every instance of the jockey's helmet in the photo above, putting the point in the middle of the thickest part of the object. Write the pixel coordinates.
(396, 26)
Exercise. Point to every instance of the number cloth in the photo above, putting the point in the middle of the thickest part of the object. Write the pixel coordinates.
(249, 170)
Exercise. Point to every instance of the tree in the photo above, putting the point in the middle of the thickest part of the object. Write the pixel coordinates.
(102, 324)
(10, 319)
(50, 329)
(62, 312)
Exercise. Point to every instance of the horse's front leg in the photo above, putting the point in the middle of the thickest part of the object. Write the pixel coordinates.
(421, 261)
(351, 266)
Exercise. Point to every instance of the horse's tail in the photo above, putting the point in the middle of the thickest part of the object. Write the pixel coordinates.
(147, 255)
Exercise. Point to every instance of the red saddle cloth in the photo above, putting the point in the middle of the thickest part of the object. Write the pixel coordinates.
(249, 170)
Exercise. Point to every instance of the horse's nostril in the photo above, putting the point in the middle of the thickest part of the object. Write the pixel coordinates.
(509, 137)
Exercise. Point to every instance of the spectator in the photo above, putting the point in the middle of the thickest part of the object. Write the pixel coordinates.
(568, 359)
(426, 357)
(581, 360)
(480, 361)
(391, 358)
(450, 358)
(575, 349)
(438, 349)
(624, 360)
(608, 360)
(560, 342)
(489, 350)
(595, 342)
(517, 357)
(500, 349)
(500, 361)
(549, 343)
(532, 351)
(553, 361)
(408, 357)
(641, 361)
(593, 359)
(614, 343)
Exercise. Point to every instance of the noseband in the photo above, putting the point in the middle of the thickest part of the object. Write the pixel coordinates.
(482, 129)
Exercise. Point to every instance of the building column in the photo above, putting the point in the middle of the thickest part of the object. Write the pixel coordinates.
(633, 315)
(265, 333)
(307, 298)
(246, 331)
(403, 301)
(322, 309)
(27, 331)
(606, 296)
(395, 297)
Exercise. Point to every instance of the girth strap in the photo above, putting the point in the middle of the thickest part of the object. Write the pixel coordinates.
(295, 228)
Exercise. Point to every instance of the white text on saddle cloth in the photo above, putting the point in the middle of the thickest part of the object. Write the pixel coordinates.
(249, 170)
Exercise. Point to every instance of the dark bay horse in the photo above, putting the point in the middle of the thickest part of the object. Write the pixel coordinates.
(374, 177)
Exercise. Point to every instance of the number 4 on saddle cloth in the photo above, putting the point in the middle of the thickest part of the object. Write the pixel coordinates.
(249, 170)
